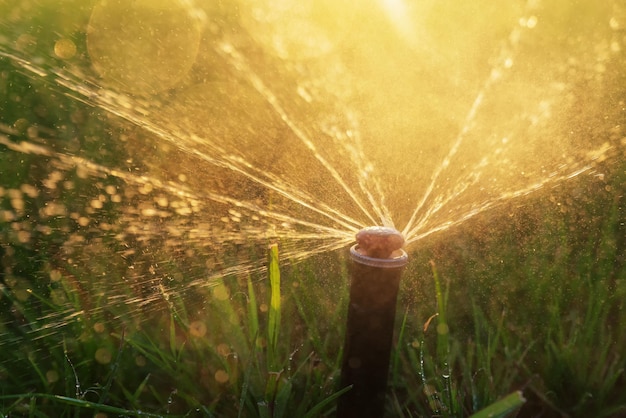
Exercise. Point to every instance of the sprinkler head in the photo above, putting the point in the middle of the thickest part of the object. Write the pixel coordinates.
(378, 262)
(378, 241)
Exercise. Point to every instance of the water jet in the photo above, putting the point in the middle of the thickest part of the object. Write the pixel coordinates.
(377, 264)
(148, 154)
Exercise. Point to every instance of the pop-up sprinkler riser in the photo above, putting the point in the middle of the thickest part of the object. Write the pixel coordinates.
(377, 263)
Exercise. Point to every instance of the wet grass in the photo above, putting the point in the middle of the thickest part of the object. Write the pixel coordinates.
(234, 354)
(530, 302)
(540, 317)
(538, 307)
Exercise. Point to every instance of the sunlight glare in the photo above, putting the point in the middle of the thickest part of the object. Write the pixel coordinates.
(398, 14)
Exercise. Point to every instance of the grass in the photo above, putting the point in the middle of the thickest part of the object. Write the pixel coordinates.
(234, 366)
(546, 321)
(543, 326)
(486, 316)
(533, 305)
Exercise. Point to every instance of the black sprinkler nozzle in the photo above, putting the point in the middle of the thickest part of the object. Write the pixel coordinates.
(377, 263)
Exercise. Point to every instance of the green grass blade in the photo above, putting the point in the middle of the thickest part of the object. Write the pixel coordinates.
(140, 389)
(82, 404)
(443, 341)
(243, 395)
(281, 402)
(253, 316)
(503, 407)
(275, 306)
(317, 409)
(37, 369)
(173, 348)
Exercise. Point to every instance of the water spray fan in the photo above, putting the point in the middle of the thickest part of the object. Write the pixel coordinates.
(377, 264)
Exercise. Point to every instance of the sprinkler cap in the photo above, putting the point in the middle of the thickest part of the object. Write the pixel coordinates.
(378, 242)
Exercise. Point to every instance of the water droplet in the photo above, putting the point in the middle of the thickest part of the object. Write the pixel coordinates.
(65, 48)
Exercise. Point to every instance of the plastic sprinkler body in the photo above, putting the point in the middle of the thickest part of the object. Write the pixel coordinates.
(376, 268)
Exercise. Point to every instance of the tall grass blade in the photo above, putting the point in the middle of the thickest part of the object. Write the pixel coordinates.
(82, 404)
(281, 401)
(318, 408)
(244, 391)
(140, 389)
(503, 407)
(275, 307)
(173, 348)
(443, 342)
(253, 316)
